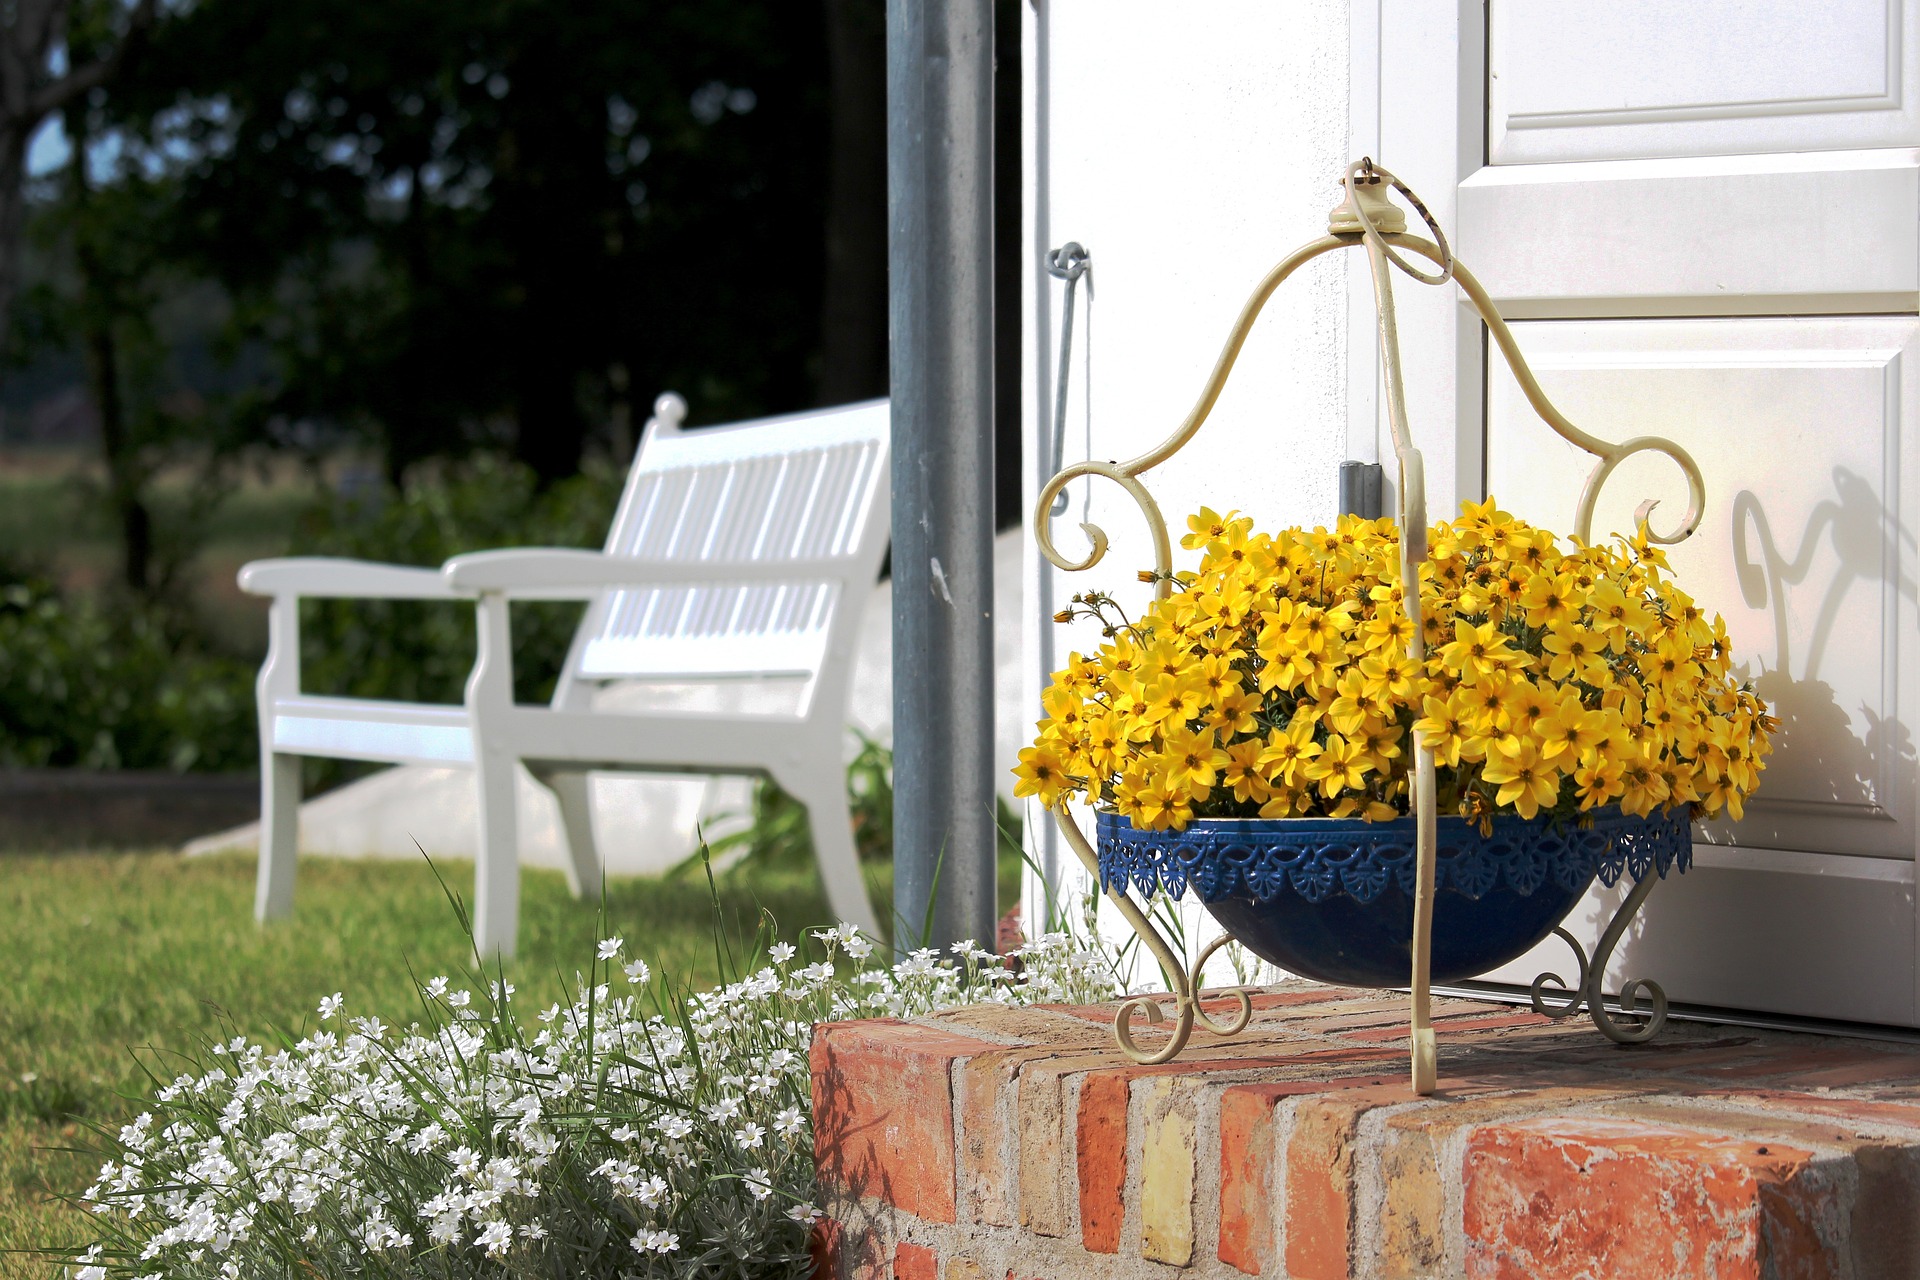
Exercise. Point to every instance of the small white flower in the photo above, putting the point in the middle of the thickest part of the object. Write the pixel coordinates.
(760, 1183)
(434, 989)
(610, 947)
(460, 999)
(789, 1122)
(781, 952)
(495, 1238)
(651, 1192)
(330, 1005)
(638, 971)
(655, 1242)
(534, 1231)
(805, 1213)
(858, 947)
(749, 1136)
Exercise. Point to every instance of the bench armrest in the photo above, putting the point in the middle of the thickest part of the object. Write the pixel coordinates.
(557, 573)
(321, 576)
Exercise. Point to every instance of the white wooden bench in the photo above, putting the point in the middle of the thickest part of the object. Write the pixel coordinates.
(738, 553)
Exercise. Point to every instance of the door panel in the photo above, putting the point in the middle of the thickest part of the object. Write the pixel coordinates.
(1807, 546)
(1822, 232)
(1638, 78)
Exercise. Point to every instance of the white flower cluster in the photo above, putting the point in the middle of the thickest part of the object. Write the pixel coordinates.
(603, 1139)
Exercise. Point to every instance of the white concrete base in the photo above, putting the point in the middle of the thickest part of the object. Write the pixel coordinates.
(644, 823)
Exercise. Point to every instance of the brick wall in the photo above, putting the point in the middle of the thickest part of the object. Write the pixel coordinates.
(1017, 1144)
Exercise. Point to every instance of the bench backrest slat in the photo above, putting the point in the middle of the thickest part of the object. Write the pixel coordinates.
(799, 487)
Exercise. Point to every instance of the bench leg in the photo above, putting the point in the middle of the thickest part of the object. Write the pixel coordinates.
(574, 791)
(496, 873)
(279, 835)
(824, 792)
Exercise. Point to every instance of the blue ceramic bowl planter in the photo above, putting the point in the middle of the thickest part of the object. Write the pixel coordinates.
(1332, 898)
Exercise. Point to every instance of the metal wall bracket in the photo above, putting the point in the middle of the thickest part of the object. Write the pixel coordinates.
(1360, 484)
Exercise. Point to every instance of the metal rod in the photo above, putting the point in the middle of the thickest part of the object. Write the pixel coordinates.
(940, 258)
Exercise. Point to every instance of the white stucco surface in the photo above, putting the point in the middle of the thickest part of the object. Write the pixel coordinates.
(1188, 150)
(643, 823)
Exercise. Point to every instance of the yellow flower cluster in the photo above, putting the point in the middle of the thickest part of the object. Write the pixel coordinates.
(1279, 681)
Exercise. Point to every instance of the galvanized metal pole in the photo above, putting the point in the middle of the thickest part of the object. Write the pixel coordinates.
(940, 257)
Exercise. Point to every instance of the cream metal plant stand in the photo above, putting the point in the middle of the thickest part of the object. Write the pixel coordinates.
(1368, 219)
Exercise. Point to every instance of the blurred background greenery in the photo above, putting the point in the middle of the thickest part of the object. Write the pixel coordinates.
(395, 282)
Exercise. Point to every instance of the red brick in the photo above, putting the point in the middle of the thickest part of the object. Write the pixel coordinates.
(915, 1262)
(824, 1246)
(1588, 1196)
(1247, 1159)
(883, 1112)
(1320, 1180)
(1102, 1140)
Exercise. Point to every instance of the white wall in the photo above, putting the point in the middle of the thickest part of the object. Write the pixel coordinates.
(1188, 148)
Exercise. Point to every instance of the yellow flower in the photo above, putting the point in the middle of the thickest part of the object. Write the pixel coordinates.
(1526, 782)
(1041, 772)
(1617, 616)
(1572, 730)
(1287, 753)
(1173, 700)
(1548, 600)
(1341, 766)
(1205, 525)
(1577, 654)
(1189, 761)
(1242, 774)
(1161, 807)
(1481, 651)
(1443, 730)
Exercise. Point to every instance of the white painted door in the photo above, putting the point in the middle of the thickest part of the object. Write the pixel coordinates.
(1706, 218)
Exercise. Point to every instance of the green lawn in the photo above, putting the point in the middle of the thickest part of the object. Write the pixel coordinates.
(102, 953)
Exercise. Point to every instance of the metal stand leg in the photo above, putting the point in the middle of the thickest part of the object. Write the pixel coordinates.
(1184, 981)
(1587, 991)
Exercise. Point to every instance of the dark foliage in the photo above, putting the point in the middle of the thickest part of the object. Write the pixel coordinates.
(495, 222)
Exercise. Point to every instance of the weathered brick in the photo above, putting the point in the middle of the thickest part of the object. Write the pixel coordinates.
(1042, 1161)
(915, 1262)
(1101, 1139)
(984, 1190)
(1167, 1177)
(1585, 1195)
(1320, 1180)
(964, 1268)
(1413, 1206)
(883, 1113)
(1247, 1163)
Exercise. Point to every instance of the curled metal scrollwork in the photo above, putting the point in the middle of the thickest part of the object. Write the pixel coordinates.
(1185, 980)
(1553, 998)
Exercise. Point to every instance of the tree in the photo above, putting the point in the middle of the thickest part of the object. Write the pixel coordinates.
(460, 226)
(40, 77)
